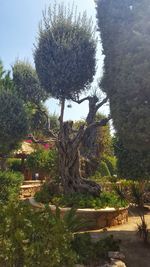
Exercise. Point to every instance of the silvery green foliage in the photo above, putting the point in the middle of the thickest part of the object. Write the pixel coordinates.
(65, 52)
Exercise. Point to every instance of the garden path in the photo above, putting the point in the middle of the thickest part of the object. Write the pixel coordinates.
(136, 253)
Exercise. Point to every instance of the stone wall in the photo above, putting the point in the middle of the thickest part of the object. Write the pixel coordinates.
(98, 219)
(29, 188)
(104, 217)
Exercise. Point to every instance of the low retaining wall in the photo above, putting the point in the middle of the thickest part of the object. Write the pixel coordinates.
(105, 217)
(100, 218)
(28, 189)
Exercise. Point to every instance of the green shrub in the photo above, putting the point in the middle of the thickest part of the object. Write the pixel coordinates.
(107, 169)
(10, 185)
(14, 226)
(47, 191)
(96, 177)
(34, 238)
(101, 173)
(14, 165)
(106, 244)
(44, 161)
(105, 179)
(106, 199)
(43, 238)
(111, 163)
(113, 179)
(82, 245)
(91, 252)
(103, 169)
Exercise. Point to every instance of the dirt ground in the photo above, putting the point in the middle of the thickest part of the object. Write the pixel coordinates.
(136, 253)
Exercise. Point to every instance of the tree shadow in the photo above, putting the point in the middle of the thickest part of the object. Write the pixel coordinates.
(137, 254)
(135, 211)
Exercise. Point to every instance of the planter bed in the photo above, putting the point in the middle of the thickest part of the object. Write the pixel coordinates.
(101, 218)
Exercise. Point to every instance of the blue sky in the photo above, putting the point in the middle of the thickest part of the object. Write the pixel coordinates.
(19, 21)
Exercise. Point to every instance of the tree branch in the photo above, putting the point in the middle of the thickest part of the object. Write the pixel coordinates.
(79, 101)
(96, 124)
(102, 103)
(38, 141)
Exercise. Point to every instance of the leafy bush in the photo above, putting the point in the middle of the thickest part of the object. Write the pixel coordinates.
(96, 177)
(89, 252)
(44, 161)
(83, 246)
(101, 173)
(107, 169)
(43, 238)
(105, 179)
(47, 191)
(14, 165)
(111, 164)
(10, 185)
(103, 169)
(29, 238)
(106, 199)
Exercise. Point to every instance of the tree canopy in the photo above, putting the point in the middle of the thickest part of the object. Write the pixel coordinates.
(13, 121)
(27, 83)
(65, 52)
(125, 27)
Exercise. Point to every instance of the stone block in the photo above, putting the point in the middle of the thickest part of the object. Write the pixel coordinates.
(116, 255)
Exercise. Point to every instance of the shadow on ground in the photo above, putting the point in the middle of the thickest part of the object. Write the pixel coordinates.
(136, 253)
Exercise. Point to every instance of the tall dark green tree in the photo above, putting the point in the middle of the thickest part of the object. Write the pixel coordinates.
(125, 28)
(131, 164)
(29, 89)
(65, 63)
(27, 83)
(13, 117)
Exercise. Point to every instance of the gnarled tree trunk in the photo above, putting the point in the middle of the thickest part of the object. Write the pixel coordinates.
(69, 162)
(90, 148)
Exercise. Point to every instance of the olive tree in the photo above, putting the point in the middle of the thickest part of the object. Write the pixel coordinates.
(65, 63)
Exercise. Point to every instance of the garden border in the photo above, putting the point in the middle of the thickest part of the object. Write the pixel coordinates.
(101, 218)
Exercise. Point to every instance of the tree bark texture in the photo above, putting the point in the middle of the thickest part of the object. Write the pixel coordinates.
(90, 148)
(89, 142)
(69, 162)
